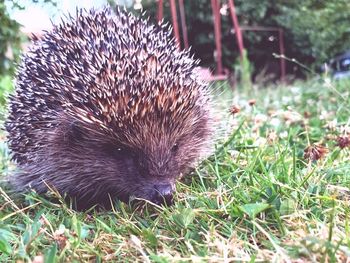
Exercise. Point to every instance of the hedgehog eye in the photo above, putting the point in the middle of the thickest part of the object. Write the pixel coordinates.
(121, 151)
(175, 148)
(116, 150)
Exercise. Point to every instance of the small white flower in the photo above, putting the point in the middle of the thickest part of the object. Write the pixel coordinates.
(260, 141)
(284, 135)
(275, 122)
(260, 118)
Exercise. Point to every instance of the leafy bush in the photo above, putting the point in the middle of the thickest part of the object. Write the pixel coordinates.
(10, 41)
(314, 31)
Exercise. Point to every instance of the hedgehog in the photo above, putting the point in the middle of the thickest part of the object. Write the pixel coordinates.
(107, 105)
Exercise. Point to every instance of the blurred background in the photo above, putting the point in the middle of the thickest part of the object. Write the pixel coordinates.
(308, 34)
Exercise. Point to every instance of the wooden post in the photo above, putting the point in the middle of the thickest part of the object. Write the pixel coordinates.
(174, 20)
(236, 27)
(217, 24)
(183, 23)
(160, 10)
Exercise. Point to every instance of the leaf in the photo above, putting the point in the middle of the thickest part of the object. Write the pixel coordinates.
(5, 238)
(76, 224)
(85, 231)
(150, 236)
(159, 259)
(50, 255)
(252, 210)
(5, 246)
(287, 207)
(31, 231)
(184, 218)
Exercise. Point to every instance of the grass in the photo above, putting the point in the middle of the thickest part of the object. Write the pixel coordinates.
(260, 198)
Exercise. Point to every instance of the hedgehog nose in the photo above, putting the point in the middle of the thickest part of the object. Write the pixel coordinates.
(163, 194)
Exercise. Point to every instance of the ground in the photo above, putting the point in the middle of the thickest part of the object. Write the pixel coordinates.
(276, 189)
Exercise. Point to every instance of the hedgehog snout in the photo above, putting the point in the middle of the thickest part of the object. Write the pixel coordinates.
(163, 194)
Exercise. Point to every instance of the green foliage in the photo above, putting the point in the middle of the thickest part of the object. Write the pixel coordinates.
(10, 41)
(314, 31)
(252, 210)
(6, 88)
(319, 29)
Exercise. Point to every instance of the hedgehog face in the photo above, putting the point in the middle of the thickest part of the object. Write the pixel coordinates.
(150, 172)
(139, 175)
(94, 167)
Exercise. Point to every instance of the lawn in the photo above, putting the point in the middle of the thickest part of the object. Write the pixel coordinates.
(276, 189)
